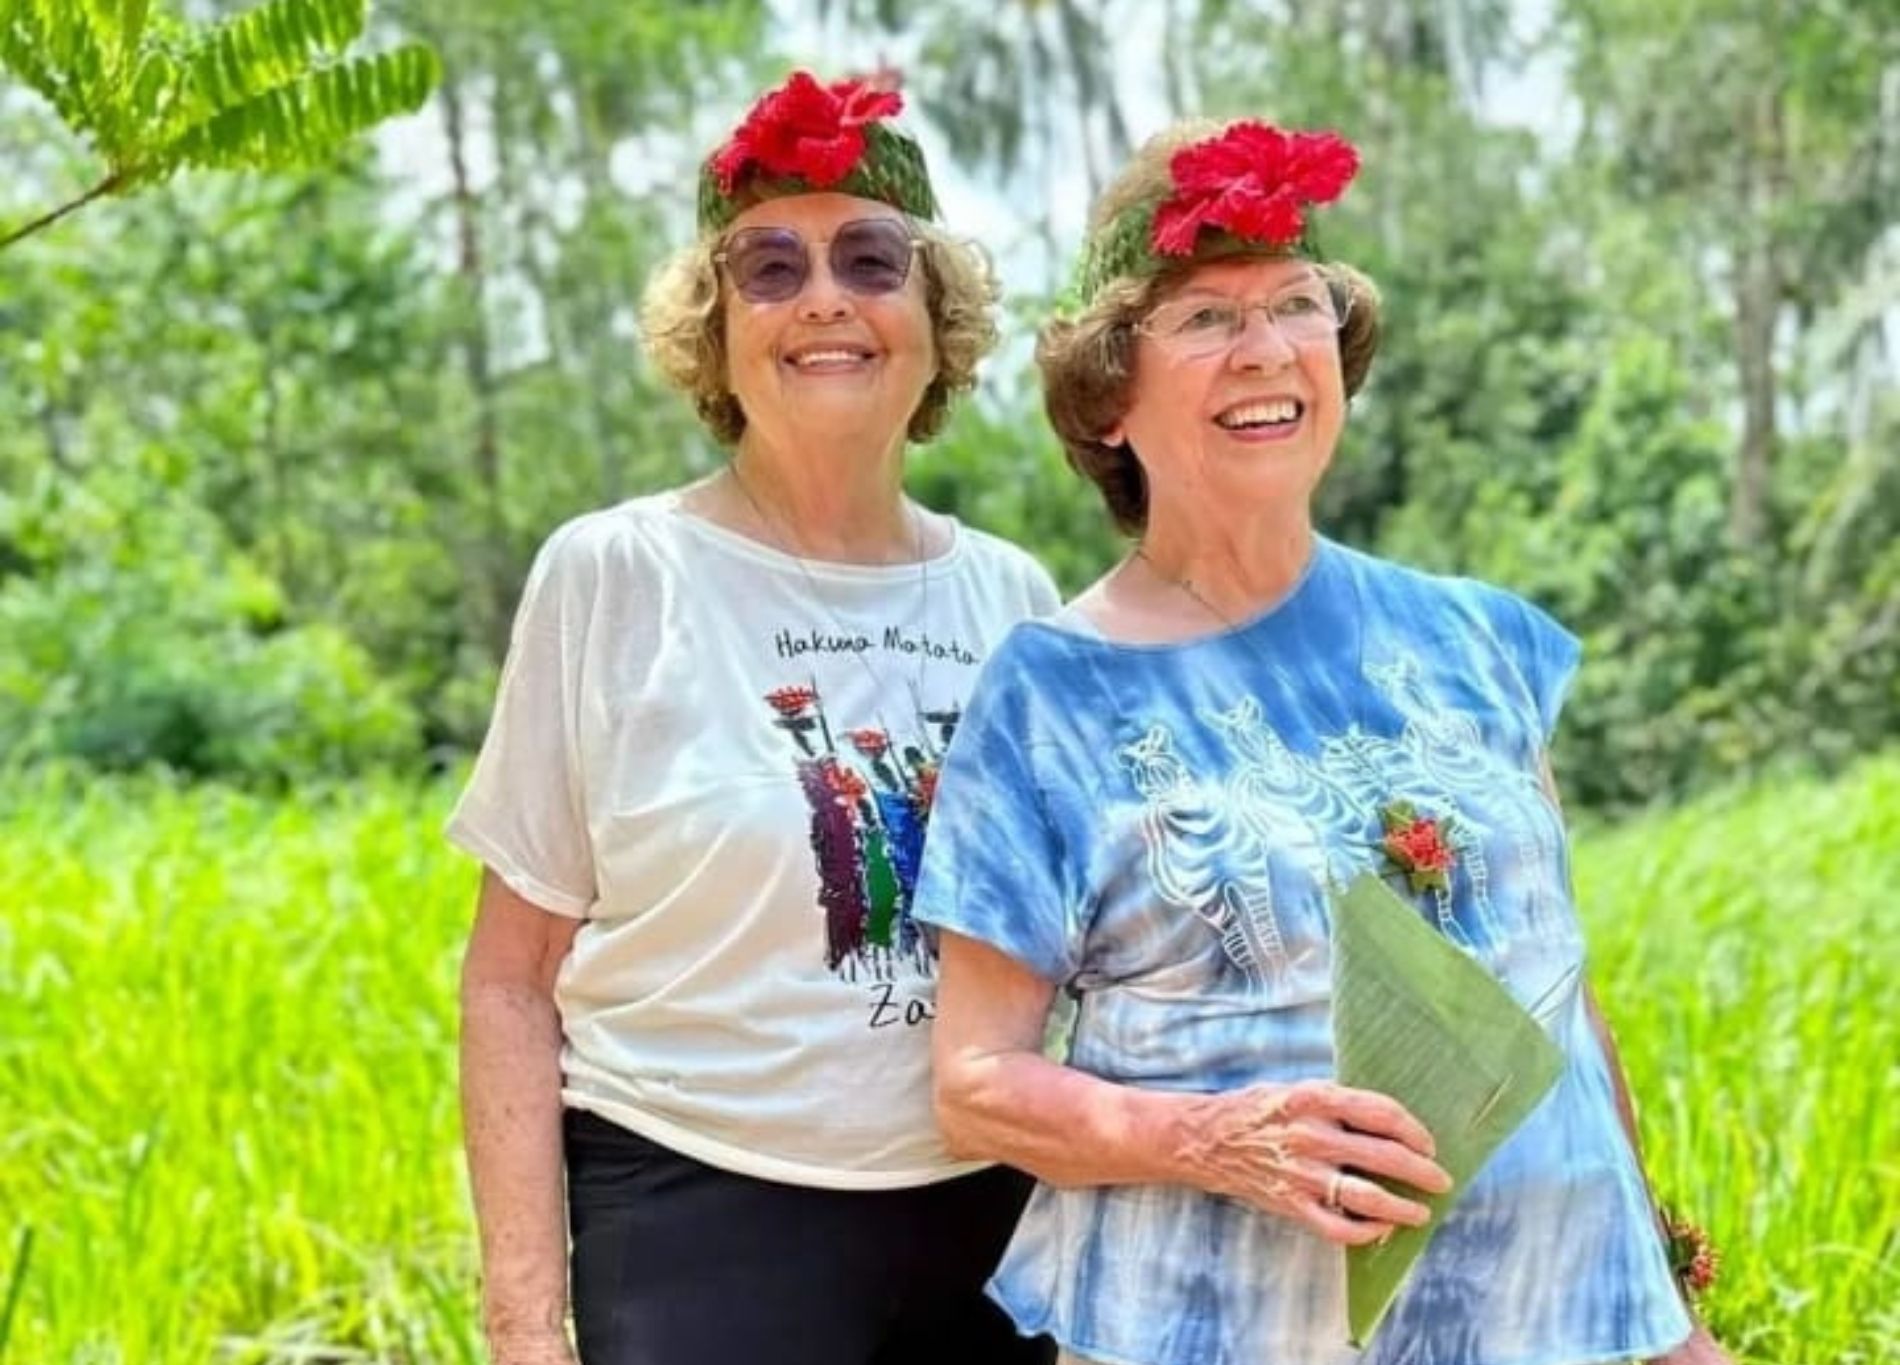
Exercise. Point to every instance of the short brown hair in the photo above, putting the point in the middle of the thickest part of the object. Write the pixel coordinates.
(683, 324)
(1088, 361)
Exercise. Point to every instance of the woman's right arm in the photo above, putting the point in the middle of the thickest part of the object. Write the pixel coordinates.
(511, 1119)
(1275, 1147)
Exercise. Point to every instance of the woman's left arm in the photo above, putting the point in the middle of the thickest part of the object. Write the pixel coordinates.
(1701, 1348)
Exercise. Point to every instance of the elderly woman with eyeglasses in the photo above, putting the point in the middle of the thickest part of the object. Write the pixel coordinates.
(1153, 792)
(696, 1001)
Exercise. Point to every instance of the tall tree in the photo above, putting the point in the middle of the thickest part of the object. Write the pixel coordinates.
(1768, 133)
(568, 135)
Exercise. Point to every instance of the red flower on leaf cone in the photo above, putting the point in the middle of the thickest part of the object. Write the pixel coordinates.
(870, 743)
(791, 701)
(1417, 847)
(812, 131)
(1254, 180)
(1420, 846)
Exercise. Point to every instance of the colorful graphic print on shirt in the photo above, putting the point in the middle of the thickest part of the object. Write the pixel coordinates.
(1253, 847)
(869, 793)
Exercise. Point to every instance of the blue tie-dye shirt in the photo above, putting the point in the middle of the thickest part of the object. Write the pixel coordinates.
(1152, 827)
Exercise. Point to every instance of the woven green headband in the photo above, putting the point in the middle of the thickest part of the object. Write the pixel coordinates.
(891, 171)
(807, 138)
(1246, 189)
(1120, 251)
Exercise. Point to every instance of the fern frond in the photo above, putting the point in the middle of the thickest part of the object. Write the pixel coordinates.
(119, 123)
(306, 119)
(269, 46)
(268, 88)
(104, 66)
(120, 25)
(57, 55)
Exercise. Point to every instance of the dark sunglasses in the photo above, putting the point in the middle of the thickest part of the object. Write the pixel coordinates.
(867, 256)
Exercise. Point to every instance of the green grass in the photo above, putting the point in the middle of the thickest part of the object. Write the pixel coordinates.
(1747, 951)
(227, 1077)
(227, 1099)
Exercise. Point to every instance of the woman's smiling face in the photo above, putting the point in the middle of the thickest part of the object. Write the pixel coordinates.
(827, 360)
(1249, 421)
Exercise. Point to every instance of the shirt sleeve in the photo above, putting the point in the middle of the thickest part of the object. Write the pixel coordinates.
(523, 812)
(993, 866)
(1547, 657)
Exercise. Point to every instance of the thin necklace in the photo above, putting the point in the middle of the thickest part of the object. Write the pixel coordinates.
(879, 688)
(1233, 627)
(1186, 585)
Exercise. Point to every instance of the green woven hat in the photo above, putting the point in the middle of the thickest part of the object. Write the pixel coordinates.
(808, 138)
(1247, 187)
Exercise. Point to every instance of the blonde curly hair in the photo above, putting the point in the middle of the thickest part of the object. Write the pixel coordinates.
(683, 326)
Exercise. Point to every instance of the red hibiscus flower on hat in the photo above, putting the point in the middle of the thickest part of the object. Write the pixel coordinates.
(1254, 180)
(812, 131)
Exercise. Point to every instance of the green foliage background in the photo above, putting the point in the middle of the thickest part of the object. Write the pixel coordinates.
(274, 452)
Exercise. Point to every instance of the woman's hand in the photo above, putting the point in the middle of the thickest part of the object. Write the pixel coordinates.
(1286, 1149)
(1303, 1151)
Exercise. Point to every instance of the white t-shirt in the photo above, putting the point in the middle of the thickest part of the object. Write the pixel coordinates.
(720, 758)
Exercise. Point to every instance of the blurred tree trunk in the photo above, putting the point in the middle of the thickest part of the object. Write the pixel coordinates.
(540, 106)
(493, 586)
(1759, 297)
(1756, 128)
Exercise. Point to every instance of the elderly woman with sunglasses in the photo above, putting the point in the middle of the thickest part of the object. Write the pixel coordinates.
(1153, 793)
(695, 997)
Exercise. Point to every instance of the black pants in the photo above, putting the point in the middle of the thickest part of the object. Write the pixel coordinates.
(679, 1263)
